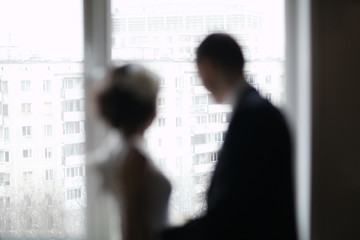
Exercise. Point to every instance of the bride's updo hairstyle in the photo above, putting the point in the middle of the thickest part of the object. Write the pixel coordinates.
(128, 101)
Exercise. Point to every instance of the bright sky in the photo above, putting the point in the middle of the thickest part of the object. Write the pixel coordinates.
(54, 27)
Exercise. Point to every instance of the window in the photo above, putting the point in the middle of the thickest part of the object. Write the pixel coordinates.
(74, 149)
(200, 100)
(4, 157)
(27, 153)
(268, 79)
(5, 110)
(47, 85)
(26, 131)
(72, 83)
(25, 86)
(6, 133)
(73, 194)
(162, 162)
(161, 102)
(178, 161)
(268, 96)
(72, 127)
(162, 82)
(27, 176)
(48, 108)
(4, 87)
(77, 171)
(48, 153)
(178, 102)
(41, 68)
(48, 130)
(26, 108)
(244, 20)
(250, 78)
(4, 179)
(178, 82)
(49, 174)
(161, 122)
(179, 141)
(73, 105)
(178, 122)
(214, 157)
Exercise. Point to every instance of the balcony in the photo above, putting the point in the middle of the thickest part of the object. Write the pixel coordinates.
(205, 148)
(73, 116)
(199, 108)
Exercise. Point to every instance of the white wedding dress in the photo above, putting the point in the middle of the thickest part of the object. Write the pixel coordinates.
(156, 188)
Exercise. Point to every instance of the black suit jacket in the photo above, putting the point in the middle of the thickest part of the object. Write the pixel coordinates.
(251, 191)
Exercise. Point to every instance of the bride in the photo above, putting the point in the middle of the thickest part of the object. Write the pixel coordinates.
(128, 105)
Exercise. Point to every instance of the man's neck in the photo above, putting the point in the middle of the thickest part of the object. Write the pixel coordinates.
(237, 88)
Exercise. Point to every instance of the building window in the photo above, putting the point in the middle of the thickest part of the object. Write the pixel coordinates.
(28, 176)
(178, 122)
(4, 157)
(72, 194)
(161, 102)
(162, 82)
(26, 131)
(48, 153)
(268, 79)
(27, 153)
(179, 141)
(4, 179)
(178, 161)
(214, 156)
(72, 128)
(4, 87)
(268, 96)
(162, 162)
(200, 100)
(74, 149)
(48, 108)
(47, 85)
(26, 108)
(196, 81)
(25, 86)
(160, 142)
(178, 102)
(49, 174)
(77, 171)
(72, 83)
(250, 78)
(48, 130)
(5, 110)
(178, 82)
(6, 133)
(73, 105)
(161, 122)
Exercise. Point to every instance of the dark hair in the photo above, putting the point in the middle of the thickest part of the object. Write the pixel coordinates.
(121, 107)
(224, 51)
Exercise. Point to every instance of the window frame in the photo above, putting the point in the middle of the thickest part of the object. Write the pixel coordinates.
(97, 27)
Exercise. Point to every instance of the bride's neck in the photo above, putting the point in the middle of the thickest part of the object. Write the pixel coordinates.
(132, 135)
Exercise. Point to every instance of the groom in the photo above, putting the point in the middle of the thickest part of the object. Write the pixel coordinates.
(251, 191)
